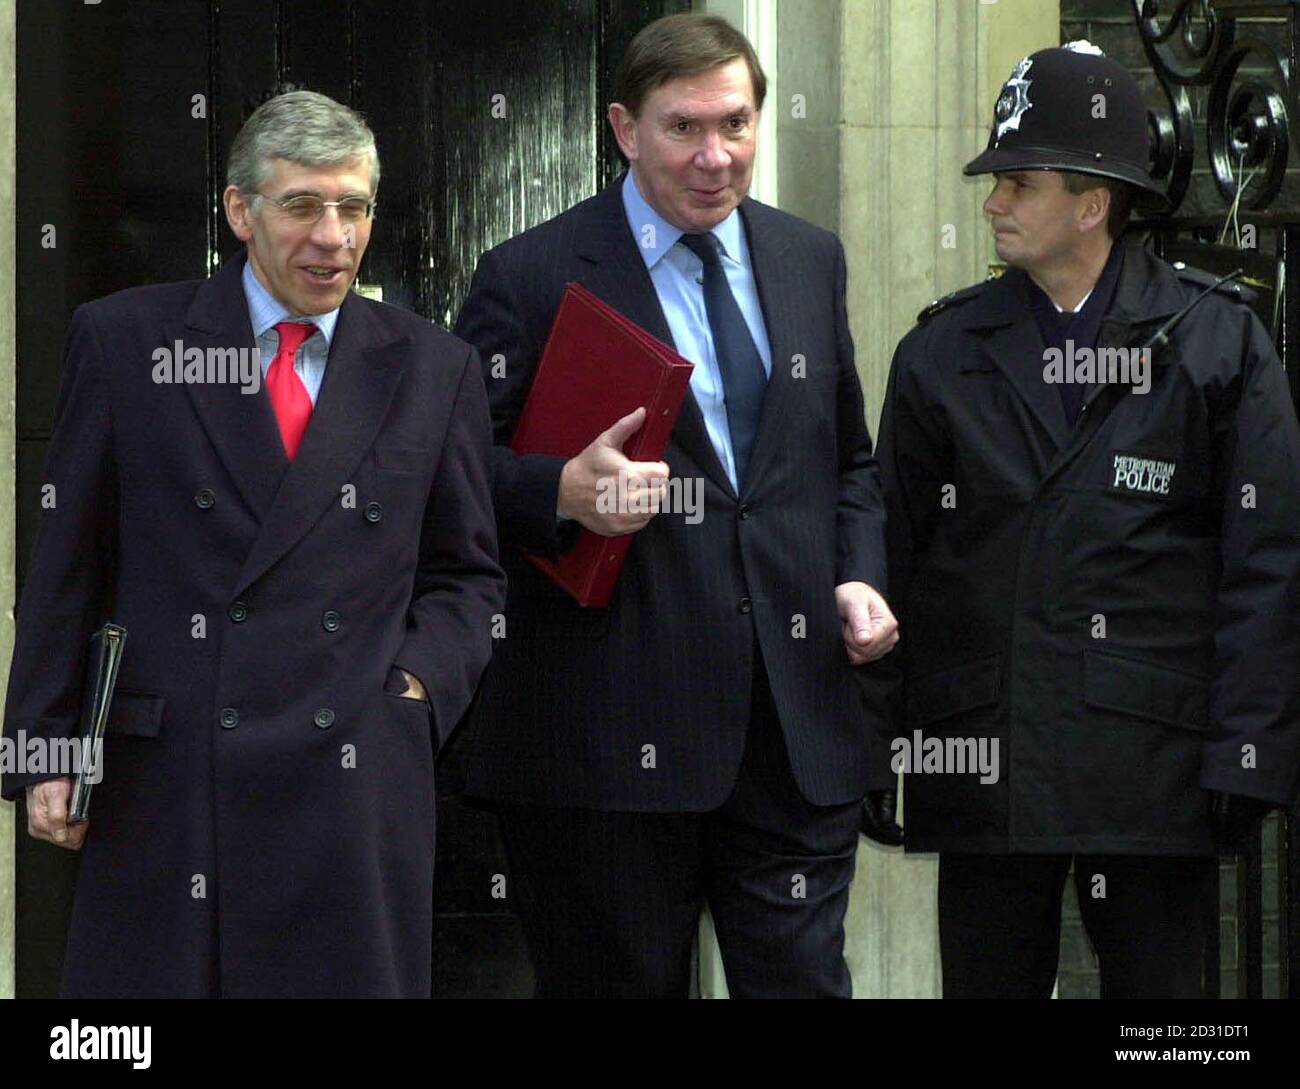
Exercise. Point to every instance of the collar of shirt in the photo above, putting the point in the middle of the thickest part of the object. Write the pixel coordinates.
(1082, 302)
(265, 310)
(655, 236)
(1087, 316)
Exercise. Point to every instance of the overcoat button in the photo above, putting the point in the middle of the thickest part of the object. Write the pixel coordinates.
(324, 718)
(374, 512)
(745, 510)
(746, 605)
(229, 718)
(330, 620)
(204, 499)
(238, 612)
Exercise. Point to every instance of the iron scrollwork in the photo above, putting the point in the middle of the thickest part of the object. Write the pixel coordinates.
(1201, 46)
(1247, 125)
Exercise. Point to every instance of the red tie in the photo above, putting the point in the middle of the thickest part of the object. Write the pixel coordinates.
(289, 396)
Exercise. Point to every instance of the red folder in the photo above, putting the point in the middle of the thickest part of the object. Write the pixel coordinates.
(597, 367)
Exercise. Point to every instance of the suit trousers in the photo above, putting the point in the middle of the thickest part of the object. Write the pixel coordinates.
(1000, 923)
(610, 901)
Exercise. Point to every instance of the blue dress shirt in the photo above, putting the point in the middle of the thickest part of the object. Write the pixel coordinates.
(678, 278)
(265, 312)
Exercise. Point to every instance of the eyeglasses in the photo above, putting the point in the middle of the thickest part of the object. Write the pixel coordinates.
(305, 208)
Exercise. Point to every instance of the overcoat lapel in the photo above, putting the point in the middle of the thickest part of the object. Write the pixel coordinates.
(241, 426)
(361, 377)
(1015, 346)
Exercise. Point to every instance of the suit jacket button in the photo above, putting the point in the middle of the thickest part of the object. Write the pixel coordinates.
(229, 718)
(329, 620)
(204, 499)
(746, 605)
(745, 509)
(238, 612)
(324, 718)
(374, 512)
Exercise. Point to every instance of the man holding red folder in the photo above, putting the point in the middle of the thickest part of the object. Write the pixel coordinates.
(703, 738)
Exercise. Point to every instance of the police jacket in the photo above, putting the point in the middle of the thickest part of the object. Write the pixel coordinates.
(1111, 610)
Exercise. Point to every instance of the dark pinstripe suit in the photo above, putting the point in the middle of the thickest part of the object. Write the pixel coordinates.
(575, 696)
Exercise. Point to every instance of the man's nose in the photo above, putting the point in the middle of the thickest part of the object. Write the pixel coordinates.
(712, 155)
(995, 204)
(330, 232)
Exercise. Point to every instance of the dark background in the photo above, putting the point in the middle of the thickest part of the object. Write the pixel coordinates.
(111, 155)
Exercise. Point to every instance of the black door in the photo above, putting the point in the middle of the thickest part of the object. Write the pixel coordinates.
(489, 118)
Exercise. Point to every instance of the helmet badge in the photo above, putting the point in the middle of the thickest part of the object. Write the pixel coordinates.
(1013, 101)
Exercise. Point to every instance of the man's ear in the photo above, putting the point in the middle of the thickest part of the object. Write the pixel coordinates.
(1094, 208)
(239, 213)
(624, 126)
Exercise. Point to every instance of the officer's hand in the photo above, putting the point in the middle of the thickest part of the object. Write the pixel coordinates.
(879, 820)
(596, 471)
(866, 623)
(47, 814)
(1235, 818)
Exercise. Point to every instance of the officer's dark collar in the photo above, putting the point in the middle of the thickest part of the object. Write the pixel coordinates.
(1094, 307)
(1147, 292)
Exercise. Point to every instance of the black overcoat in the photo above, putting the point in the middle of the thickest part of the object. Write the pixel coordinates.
(265, 825)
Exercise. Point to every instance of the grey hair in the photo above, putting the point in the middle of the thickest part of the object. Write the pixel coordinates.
(304, 127)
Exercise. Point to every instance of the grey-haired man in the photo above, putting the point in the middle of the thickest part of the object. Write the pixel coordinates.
(304, 556)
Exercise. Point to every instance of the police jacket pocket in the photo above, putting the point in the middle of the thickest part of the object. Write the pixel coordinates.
(135, 714)
(1144, 690)
(955, 690)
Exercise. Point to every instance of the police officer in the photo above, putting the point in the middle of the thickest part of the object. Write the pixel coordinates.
(1094, 555)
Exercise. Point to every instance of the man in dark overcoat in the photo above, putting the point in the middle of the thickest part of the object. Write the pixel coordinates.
(302, 550)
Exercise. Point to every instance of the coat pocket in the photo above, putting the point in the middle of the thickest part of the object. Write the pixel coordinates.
(1143, 690)
(135, 714)
(955, 690)
(401, 459)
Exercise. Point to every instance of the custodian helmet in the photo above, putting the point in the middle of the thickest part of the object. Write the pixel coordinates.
(1072, 109)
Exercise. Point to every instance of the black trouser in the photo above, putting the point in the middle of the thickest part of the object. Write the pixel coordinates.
(1000, 923)
(610, 902)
